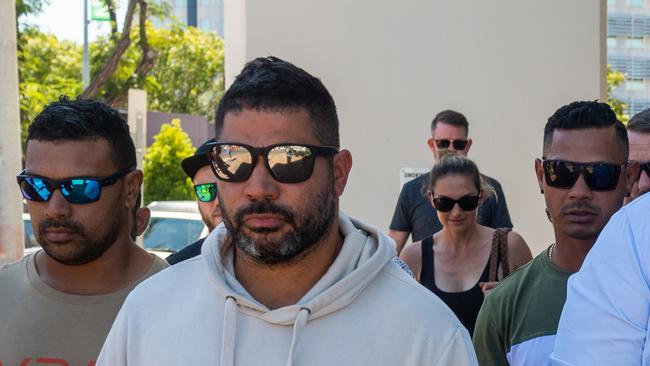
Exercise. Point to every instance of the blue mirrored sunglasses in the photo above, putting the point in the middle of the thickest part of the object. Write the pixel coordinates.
(77, 190)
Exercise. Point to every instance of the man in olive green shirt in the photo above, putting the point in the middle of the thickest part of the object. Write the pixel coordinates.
(584, 176)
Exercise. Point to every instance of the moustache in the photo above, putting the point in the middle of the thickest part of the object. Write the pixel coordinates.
(581, 206)
(263, 207)
(68, 224)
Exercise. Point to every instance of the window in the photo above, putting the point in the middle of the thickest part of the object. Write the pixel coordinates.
(635, 85)
(611, 41)
(635, 42)
(635, 2)
(611, 2)
(205, 24)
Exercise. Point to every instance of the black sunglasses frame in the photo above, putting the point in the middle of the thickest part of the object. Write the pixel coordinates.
(54, 184)
(264, 152)
(445, 143)
(583, 169)
(468, 202)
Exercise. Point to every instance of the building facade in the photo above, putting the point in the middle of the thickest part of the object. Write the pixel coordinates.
(204, 14)
(628, 50)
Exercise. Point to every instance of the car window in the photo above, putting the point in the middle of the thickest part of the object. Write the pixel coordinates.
(171, 234)
(30, 238)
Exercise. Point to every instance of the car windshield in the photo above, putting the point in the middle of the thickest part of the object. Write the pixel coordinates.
(171, 234)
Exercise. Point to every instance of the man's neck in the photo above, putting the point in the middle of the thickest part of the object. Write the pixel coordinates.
(285, 284)
(569, 253)
(121, 266)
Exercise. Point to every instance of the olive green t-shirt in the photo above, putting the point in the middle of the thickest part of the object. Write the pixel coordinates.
(518, 320)
(40, 325)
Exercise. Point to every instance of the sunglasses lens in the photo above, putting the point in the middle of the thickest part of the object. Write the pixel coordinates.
(602, 177)
(35, 189)
(81, 190)
(468, 203)
(443, 204)
(206, 192)
(442, 144)
(560, 174)
(291, 163)
(231, 163)
(460, 144)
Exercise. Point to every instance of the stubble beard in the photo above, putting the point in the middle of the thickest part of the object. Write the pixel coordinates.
(307, 229)
(83, 248)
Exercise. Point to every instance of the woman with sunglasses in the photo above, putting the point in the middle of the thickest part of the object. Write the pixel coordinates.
(464, 260)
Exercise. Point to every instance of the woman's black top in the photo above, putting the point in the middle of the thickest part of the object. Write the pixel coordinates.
(464, 304)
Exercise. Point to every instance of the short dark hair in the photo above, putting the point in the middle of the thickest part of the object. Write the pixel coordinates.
(269, 83)
(84, 119)
(452, 118)
(640, 122)
(585, 115)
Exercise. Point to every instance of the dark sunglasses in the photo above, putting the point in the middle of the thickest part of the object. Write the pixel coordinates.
(644, 167)
(287, 163)
(77, 190)
(446, 204)
(206, 192)
(598, 176)
(458, 144)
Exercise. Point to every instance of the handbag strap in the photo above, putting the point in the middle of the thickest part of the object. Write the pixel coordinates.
(499, 250)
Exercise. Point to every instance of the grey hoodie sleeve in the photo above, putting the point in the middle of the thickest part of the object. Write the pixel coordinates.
(459, 351)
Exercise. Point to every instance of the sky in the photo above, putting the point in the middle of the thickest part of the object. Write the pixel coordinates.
(64, 18)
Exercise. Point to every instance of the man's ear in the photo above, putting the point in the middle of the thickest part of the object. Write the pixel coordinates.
(142, 217)
(539, 172)
(432, 145)
(469, 144)
(133, 183)
(342, 164)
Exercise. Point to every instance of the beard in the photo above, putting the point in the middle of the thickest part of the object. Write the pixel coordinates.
(83, 248)
(308, 227)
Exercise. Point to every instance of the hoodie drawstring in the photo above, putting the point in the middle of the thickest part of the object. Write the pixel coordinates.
(228, 332)
(298, 324)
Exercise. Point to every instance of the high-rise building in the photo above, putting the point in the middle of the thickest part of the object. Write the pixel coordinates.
(204, 14)
(628, 50)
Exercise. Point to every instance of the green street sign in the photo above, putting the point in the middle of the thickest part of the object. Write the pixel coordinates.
(99, 11)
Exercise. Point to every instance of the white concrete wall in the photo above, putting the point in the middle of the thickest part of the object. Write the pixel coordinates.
(392, 65)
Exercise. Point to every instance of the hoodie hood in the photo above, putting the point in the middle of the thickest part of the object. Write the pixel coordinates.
(363, 254)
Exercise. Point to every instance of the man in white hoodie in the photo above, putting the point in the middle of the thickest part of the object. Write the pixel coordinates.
(287, 279)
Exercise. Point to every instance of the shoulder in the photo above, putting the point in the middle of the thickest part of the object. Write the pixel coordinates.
(401, 295)
(188, 252)
(15, 269)
(178, 279)
(516, 242)
(412, 256)
(507, 290)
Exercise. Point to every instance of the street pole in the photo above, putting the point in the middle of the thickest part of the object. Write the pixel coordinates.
(86, 68)
(11, 222)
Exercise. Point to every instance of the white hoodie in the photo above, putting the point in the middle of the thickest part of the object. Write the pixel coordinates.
(364, 311)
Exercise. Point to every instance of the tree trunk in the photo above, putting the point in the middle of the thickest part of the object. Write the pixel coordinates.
(111, 65)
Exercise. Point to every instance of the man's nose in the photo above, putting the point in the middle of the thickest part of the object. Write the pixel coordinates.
(261, 185)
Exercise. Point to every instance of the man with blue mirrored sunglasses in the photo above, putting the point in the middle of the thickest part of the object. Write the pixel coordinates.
(197, 167)
(81, 189)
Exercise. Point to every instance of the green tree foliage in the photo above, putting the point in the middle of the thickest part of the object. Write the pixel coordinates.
(186, 78)
(164, 178)
(49, 68)
(614, 79)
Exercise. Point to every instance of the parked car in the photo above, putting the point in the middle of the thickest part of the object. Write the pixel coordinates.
(173, 225)
(31, 245)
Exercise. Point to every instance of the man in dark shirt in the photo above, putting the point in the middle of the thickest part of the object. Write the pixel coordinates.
(197, 167)
(414, 215)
